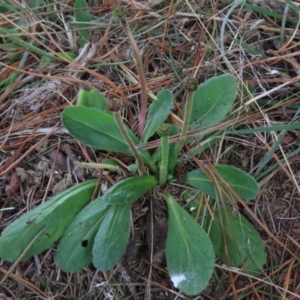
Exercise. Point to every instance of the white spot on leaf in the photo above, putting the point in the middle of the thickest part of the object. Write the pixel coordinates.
(177, 279)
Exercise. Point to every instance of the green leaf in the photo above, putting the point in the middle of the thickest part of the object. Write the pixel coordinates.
(213, 101)
(244, 246)
(158, 112)
(243, 184)
(112, 237)
(92, 99)
(75, 248)
(52, 217)
(97, 129)
(129, 190)
(189, 251)
(82, 14)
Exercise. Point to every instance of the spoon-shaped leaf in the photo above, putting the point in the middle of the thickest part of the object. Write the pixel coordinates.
(240, 182)
(98, 129)
(213, 100)
(53, 216)
(244, 246)
(75, 247)
(92, 99)
(158, 112)
(189, 251)
(129, 190)
(112, 237)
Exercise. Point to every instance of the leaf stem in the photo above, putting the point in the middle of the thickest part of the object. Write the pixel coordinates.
(129, 141)
(141, 73)
(164, 131)
(186, 120)
(190, 85)
(164, 158)
(99, 166)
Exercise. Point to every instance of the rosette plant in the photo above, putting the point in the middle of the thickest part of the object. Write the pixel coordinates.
(208, 224)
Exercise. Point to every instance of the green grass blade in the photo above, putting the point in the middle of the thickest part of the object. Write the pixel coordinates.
(11, 34)
(266, 129)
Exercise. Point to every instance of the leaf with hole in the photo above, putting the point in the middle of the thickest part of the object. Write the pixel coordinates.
(231, 231)
(129, 190)
(51, 217)
(240, 182)
(189, 251)
(112, 237)
(75, 247)
(158, 112)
